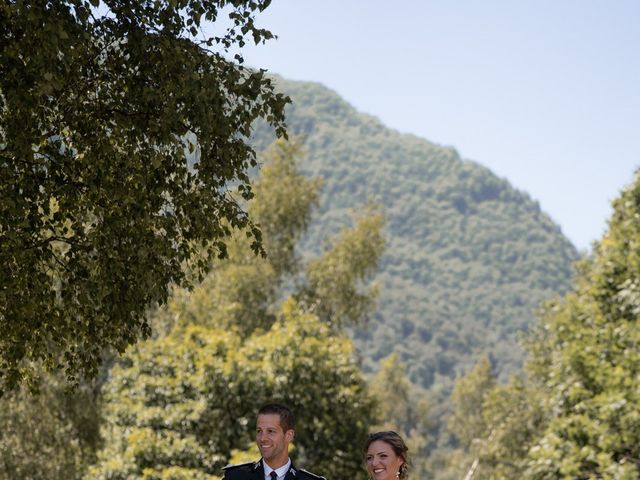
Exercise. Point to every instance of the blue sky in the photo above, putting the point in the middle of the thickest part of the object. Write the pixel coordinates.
(544, 93)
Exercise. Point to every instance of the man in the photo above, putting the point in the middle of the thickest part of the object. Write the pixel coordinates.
(275, 429)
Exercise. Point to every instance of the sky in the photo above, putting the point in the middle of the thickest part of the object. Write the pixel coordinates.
(545, 93)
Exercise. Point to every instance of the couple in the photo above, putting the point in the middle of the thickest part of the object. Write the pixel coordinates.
(385, 453)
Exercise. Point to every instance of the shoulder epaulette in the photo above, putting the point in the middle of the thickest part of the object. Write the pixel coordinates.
(230, 466)
(312, 475)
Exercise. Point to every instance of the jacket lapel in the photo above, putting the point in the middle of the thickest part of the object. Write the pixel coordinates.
(292, 474)
(257, 471)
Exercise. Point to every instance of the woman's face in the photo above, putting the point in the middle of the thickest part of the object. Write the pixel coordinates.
(382, 461)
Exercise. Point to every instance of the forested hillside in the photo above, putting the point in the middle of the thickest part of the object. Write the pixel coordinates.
(469, 258)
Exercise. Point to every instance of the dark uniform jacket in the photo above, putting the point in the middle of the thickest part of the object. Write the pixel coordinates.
(255, 471)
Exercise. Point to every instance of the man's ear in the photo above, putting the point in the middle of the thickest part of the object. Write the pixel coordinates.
(289, 435)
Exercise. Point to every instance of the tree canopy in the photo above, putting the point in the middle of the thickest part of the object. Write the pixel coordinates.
(51, 434)
(404, 408)
(183, 405)
(121, 128)
(586, 356)
(469, 258)
(575, 415)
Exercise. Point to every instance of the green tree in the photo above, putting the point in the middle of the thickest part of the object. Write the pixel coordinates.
(576, 414)
(467, 421)
(182, 405)
(241, 290)
(515, 416)
(404, 408)
(121, 128)
(495, 424)
(53, 434)
(587, 357)
(334, 287)
(283, 204)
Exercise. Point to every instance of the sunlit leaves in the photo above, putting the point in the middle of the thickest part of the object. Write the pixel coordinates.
(96, 105)
(334, 286)
(576, 415)
(186, 403)
(233, 344)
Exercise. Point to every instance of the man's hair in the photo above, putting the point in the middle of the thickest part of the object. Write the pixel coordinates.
(287, 418)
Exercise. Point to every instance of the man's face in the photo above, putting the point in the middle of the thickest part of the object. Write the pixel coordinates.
(273, 442)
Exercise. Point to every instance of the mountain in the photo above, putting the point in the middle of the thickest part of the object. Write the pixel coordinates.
(469, 258)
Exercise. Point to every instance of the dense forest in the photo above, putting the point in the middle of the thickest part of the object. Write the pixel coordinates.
(182, 404)
(157, 287)
(459, 268)
(573, 412)
(469, 258)
(463, 262)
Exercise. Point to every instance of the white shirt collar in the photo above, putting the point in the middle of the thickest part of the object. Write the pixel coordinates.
(281, 472)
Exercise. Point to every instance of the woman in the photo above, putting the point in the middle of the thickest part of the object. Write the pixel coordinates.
(386, 456)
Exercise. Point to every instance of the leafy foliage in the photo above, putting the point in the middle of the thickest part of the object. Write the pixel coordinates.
(189, 400)
(468, 397)
(468, 259)
(404, 408)
(284, 204)
(333, 288)
(120, 131)
(576, 415)
(184, 404)
(241, 289)
(591, 361)
(52, 434)
(493, 425)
